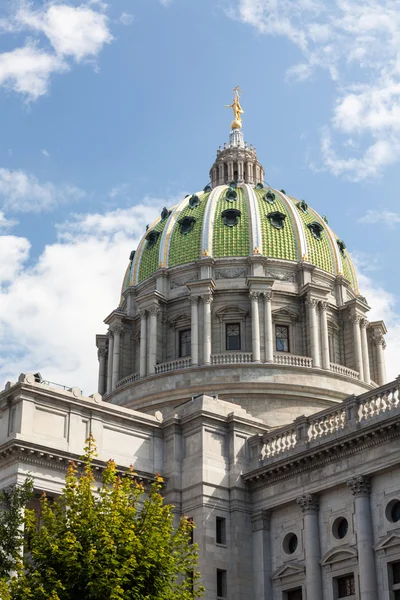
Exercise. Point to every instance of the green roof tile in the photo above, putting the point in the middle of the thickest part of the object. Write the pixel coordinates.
(185, 248)
(231, 241)
(277, 243)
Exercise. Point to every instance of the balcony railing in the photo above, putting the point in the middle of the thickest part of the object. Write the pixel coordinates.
(341, 370)
(351, 414)
(230, 358)
(293, 360)
(129, 379)
(173, 365)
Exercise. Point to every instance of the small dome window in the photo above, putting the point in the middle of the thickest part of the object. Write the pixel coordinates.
(259, 186)
(165, 213)
(316, 230)
(231, 195)
(303, 206)
(186, 224)
(194, 201)
(233, 185)
(283, 191)
(231, 217)
(152, 238)
(132, 255)
(277, 219)
(207, 188)
(342, 246)
(269, 197)
(325, 218)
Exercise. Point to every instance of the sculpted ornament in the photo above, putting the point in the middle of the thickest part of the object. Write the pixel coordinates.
(308, 503)
(102, 352)
(154, 310)
(267, 296)
(254, 296)
(207, 298)
(360, 485)
(355, 317)
(230, 273)
(117, 329)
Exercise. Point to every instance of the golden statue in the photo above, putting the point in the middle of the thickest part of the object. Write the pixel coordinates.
(237, 109)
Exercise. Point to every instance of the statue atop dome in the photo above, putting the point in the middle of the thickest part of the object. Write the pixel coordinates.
(237, 109)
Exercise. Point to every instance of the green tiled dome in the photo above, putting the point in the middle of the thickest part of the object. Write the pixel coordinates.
(237, 222)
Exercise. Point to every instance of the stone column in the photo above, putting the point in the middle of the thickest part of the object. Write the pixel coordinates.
(143, 343)
(194, 301)
(380, 346)
(355, 319)
(323, 306)
(314, 331)
(207, 299)
(102, 355)
(309, 506)
(117, 331)
(262, 556)
(151, 365)
(110, 360)
(268, 329)
(365, 354)
(361, 487)
(255, 326)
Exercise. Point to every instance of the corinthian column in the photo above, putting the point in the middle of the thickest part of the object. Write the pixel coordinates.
(323, 306)
(143, 343)
(117, 331)
(102, 355)
(380, 346)
(309, 506)
(207, 299)
(262, 556)
(194, 301)
(365, 354)
(110, 360)
(314, 331)
(154, 311)
(268, 333)
(361, 487)
(255, 326)
(355, 319)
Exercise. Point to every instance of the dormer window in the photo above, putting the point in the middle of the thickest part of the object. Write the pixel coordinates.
(277, 219)
(231, 217)
(165, 213)
(233, 185)
(269, 197)
(186, 224)
(132, 255)
(316, 230)
(194, 201)
(303, 206)
(152, 238)
(207, 188)
(342, 246)
(231, 195)
(259, 186)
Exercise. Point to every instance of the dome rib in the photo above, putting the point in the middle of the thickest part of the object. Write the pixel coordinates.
(138, 256)
(256, 240)
(208, 223)
(336, 251)
(166, 235)
(302, 245)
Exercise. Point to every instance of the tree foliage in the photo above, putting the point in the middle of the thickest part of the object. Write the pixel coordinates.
(117, 541)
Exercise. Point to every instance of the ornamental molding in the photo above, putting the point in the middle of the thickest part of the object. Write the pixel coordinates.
(360, 486)
(308, 503)
(238, 273)
(281, 275)
(181, 281)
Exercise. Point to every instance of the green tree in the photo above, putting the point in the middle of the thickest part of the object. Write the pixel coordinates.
(114, 542)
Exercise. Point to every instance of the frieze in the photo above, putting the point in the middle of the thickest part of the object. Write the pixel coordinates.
(181, 281)
(230, 273)
(281, 275)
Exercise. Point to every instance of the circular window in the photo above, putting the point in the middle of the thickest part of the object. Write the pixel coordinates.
(290, 543)
(340, 528)
(393, 511)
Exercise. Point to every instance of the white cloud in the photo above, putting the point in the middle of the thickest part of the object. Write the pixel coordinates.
(6, 223)
(386, 217)
(77, 33)
(22, 192)
(125, 19)
(357, 41)
(51, 310)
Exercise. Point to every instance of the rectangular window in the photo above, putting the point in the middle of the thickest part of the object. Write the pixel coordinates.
(233, 336)
(294, 594)
(220, 530)
(396, 572)
(221, 583)
(282, 338)
(394, 578)
(185, 339)
(346, 586)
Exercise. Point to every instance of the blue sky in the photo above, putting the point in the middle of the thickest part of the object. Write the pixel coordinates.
(108, 112)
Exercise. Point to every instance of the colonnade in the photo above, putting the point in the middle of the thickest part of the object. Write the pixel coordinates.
(309, 503)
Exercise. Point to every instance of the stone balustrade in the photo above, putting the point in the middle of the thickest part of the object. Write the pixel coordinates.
(173, 365)
(350, 415)
(230, 358)
(341, 370)
(292, 360)
(129, 379)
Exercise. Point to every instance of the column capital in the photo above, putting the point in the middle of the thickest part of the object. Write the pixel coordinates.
(143, 313)
(194, 299)
(261, 521)
(309, 503)
(323, 304)
(355, 317)
(102, 352)
(364, 323)
(154, 310)
(117, 329)
(254, 295)
(360, 486)
(207, 298)
(110, 333)
(313, 302)
(379, 340)
(267, 295)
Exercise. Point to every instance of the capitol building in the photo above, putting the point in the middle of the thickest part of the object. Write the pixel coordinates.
(242, 366)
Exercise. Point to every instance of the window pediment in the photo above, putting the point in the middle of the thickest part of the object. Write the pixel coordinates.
(340, 554)
(389, 541)
(230, 312)
(285, 315)
(288, 570)
(180, 321)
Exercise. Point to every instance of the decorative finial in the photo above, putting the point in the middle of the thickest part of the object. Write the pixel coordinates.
(304, 257)
(205, 252)
(256, 250)
(237, 109)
